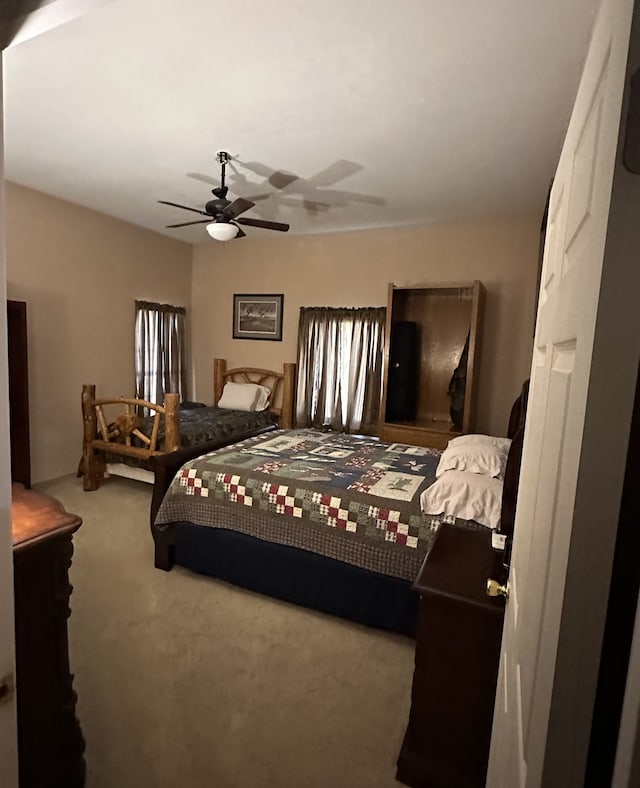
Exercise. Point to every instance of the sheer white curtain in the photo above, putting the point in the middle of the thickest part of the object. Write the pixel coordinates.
(340, 355)
(159, 351)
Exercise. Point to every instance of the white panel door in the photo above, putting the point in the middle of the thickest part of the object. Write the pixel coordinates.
(574, 451)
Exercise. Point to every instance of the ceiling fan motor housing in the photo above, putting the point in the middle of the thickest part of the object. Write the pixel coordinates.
(214, 207)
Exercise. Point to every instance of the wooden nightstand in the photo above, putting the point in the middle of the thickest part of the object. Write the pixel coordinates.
(446, 744)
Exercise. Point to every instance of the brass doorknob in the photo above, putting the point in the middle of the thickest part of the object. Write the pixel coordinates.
(496, 589)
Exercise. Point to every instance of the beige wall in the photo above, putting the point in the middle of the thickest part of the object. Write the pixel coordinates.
(354, 269)
(80, 273)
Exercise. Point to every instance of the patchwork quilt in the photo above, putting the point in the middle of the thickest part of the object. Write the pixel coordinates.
(353, 499)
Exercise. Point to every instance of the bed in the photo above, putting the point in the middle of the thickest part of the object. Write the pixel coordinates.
(325, 520)
(118, 440)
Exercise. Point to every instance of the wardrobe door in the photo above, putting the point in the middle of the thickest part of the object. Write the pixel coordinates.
(18, 392)
(402, 379)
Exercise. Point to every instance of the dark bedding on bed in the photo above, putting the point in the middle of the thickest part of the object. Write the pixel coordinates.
(202, 425)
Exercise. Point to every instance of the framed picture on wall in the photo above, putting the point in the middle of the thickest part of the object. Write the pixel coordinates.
(257, 316)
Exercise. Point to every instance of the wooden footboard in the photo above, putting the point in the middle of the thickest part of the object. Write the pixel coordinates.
(165, 467)
(116, 436)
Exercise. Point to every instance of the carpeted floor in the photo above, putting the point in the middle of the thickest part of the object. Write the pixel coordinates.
(185, 681)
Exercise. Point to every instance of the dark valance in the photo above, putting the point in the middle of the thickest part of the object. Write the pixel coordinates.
(169, 308)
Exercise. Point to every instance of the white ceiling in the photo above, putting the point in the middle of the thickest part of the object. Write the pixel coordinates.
(390, 113)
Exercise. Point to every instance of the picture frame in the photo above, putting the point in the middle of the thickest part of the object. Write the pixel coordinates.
(258, 316)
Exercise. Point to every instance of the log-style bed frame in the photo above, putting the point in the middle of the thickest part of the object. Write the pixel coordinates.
(115, 437)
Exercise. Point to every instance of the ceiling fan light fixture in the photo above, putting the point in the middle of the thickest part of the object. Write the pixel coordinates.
(222, 231)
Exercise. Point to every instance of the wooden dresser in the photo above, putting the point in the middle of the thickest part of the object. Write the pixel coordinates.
(50, 741)
(446, 744)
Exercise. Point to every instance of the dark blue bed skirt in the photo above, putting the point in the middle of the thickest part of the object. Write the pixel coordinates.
(297, 576)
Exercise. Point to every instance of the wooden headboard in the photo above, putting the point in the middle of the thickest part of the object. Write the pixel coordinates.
(281, 384)
(518, 411)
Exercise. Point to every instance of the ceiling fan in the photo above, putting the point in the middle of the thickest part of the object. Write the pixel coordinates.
(223, 216)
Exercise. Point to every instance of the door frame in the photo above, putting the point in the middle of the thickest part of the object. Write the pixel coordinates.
(617, 662)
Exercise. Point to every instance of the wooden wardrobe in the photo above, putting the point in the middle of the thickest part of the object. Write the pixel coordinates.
(426, 333)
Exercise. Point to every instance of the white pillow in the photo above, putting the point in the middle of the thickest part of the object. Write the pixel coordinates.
(239, 396)
(465, 440)
(262, 399)
(468, 496)
(483, 458)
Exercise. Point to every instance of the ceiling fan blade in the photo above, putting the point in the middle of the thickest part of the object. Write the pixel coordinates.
(238, 206)
(184, 207)
(186, 224)
(265, 224)
(241, 233)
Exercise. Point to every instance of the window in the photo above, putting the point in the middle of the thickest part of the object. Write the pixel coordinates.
(159, 351)
(340, 368)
